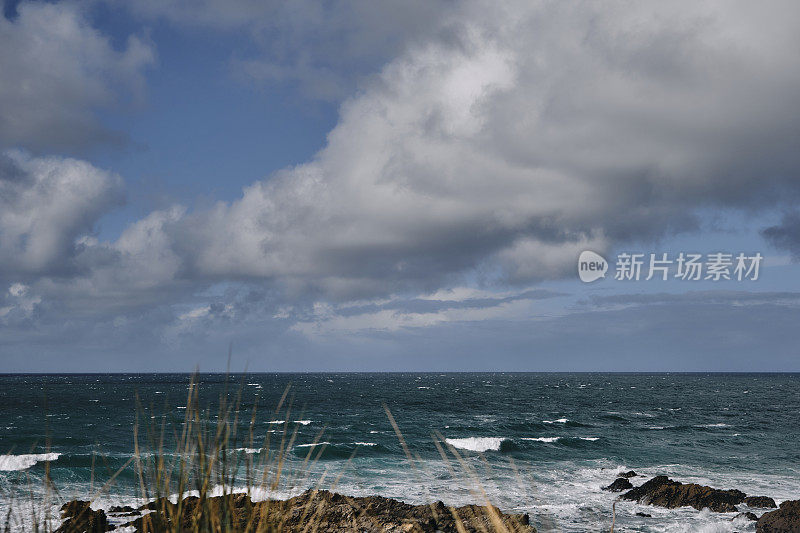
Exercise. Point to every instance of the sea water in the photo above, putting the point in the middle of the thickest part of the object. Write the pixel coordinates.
(537, 443)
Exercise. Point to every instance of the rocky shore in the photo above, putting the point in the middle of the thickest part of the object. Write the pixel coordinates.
(327, 512)
(321, 511)
(664, 492)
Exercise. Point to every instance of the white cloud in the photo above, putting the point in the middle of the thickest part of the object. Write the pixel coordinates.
(57, 70)
(46, 205)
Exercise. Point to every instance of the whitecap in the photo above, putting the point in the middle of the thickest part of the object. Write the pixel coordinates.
(365, 443)
(477, 444)
(25, 461)
(559, 421)
(541, 439)
(312, 444)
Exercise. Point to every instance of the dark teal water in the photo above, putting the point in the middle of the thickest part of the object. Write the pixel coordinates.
(549, 440)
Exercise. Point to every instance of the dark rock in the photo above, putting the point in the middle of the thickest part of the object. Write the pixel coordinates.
(619, 485)
(74, 508)
(785, 520)
(326, 512)
(121, 509)
(627, 475)
(645, 515)
(648, 487)
(664, 492)
(760, 502)
(748, 515)
(80, 518)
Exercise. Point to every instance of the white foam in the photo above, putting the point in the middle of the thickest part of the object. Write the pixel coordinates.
(25, 461)
(477, 444)
(554, 439)
(559, 421)
(301, 422)
(312, 444)
(249, 451)
(365, 443)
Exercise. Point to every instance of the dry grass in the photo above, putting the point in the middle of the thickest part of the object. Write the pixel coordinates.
(198, 477)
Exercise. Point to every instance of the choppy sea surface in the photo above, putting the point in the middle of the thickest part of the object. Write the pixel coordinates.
(540, 443)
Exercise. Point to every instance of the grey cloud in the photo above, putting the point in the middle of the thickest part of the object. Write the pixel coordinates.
(786, 235)
(542, 130)
(57, 71)
(46, 205)
(492, 149)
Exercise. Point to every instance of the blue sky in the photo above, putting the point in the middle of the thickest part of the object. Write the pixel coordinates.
(363, 185)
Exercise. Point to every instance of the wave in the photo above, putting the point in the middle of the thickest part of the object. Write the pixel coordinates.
(365, 443)
(556, 439)
(559, 421)
(301, 422)
(249, 451)
(25, 461)
(478, 444)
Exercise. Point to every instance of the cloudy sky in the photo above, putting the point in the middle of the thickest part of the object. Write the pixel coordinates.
(369, 185)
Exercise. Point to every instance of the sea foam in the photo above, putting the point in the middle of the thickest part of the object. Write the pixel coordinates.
(25, 461)
(477, 444)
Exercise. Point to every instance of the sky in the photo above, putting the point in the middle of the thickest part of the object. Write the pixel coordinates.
(397, 186)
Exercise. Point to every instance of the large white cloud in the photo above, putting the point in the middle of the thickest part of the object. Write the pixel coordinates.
(539, 130)
(47, 204)
(57, 69)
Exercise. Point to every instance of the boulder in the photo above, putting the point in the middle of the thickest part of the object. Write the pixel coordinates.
(786, 519)
(748, 515)
(665, 492)
(619, 485)
(80, 518)
(628, 474)
(760, 502)
(644, 515)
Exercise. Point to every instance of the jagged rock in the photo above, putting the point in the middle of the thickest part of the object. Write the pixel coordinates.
(784, 520)
(121, 509)
(619, 485)
(325, 512)
(665, 492)
(628, 474)
(74, 508)
(748, 515)
(760, 502)
(80, 518)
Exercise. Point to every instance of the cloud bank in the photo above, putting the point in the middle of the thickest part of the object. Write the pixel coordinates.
(487, 146)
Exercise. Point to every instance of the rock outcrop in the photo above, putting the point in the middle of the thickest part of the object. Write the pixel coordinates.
(760, 502)
(80, 518)
(786, 519)
(619, 485)
(321, 511)
(665, 492)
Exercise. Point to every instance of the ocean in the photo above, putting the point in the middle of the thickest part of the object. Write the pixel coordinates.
(541, 443)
